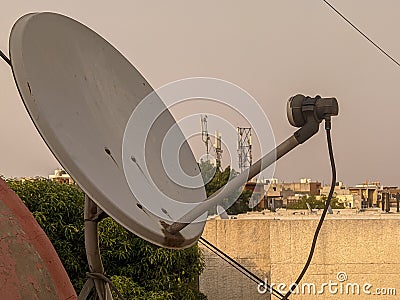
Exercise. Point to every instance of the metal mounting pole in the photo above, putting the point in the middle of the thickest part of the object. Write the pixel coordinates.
(232, 185)
(310, 128)
(93, 214)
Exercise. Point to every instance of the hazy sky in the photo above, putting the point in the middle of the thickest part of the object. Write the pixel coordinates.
(272, 49)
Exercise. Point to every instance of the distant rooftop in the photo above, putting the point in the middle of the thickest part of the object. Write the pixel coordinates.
(300, 214)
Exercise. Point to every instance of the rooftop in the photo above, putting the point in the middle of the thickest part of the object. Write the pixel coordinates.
(300, 214)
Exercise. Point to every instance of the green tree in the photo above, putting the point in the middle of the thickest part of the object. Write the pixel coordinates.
(219, 179)
(139, 269)
(241, 205)
(314, 203)
(335, 204)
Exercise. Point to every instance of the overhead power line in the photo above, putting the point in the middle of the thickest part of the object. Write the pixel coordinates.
(362, 33)
(6, 59)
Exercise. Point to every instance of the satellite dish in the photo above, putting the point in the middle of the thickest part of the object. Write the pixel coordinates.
(80, 92)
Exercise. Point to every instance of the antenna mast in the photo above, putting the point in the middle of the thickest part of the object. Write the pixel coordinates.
(244, 148)
(204, 133)
(218, 149)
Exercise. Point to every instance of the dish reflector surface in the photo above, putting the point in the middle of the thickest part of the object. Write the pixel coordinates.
(80, 92)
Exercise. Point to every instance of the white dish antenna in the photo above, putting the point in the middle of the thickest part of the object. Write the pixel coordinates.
(80, 92)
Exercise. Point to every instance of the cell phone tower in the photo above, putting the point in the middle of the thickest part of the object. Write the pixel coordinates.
(218, 149)
(244, 148)
(204, 134)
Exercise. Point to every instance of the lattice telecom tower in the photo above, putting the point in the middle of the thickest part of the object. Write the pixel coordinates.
(244, 148)
(218, 149)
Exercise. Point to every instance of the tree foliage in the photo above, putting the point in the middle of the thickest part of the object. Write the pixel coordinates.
(59, 211)
(139, 269)
(219, 178)
(314, 203)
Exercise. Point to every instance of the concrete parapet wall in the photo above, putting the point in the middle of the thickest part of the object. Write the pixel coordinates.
(366, 250)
